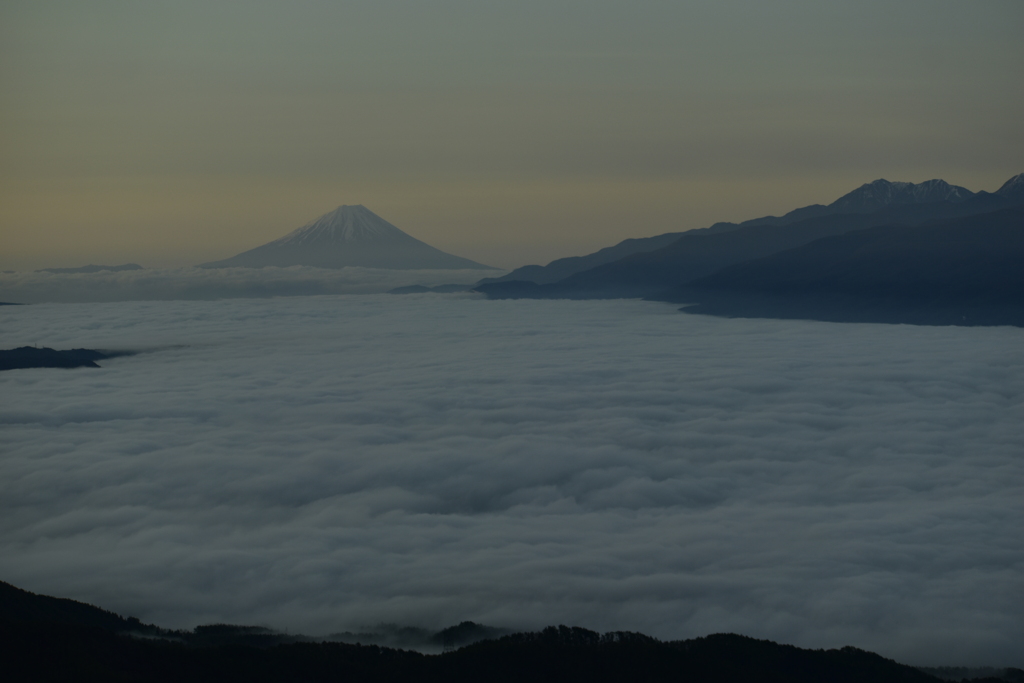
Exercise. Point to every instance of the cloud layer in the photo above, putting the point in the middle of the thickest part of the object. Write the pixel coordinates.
(163, 284)
(320, 463)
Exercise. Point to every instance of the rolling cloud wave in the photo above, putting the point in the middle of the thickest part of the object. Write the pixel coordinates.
(319, 463)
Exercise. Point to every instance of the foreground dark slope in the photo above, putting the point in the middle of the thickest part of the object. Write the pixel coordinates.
(20, 606)
(968, 271)
(60, 652)
(51, 639)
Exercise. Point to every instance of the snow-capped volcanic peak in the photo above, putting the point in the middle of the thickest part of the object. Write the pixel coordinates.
(347, 236)
(352, 224)
(881, 193)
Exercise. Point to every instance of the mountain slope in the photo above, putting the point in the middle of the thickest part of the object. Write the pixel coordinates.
(965, 271)
(348, 236)
(564, 267)
(699, 253)
(867, 198)
(1013, 189)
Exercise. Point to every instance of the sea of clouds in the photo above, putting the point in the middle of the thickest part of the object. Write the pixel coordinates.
(162, 284)
(327, 462)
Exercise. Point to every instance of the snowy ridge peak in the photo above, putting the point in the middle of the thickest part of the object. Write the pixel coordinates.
(351, 224)
(881, 193)
(1013, 188)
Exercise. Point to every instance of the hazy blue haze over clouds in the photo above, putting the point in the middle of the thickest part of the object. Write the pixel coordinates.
(318, 463)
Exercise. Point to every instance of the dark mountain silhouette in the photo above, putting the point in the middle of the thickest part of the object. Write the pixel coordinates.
(700, 253)
(92, 269)
(564, 267)
(17, 605)
(50, 639)
(33, 357)
(867, 198)
(347, 236)
(966, 271)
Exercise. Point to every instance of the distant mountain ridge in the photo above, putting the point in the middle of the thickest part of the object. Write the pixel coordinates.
(1013, 189)
(564, 267)
(882, 193)
(867, 198)
(965, 271)
(955, 260)
(348, 236)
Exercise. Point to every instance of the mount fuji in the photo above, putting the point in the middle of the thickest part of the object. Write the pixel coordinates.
(348, 236)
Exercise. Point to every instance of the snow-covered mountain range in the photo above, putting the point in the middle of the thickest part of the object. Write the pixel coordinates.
(880, 193)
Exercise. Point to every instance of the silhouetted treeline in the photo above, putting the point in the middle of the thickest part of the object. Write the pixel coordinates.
(49, 639)
(979, 674)
(36, 651)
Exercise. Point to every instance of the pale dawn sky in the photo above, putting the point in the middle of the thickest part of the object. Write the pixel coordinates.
(175, 133)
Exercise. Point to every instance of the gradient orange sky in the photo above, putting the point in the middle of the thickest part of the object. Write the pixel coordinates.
(172, 133)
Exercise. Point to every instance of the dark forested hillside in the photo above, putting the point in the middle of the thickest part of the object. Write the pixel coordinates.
(51, 639)
(63, 652)
(17, 605)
